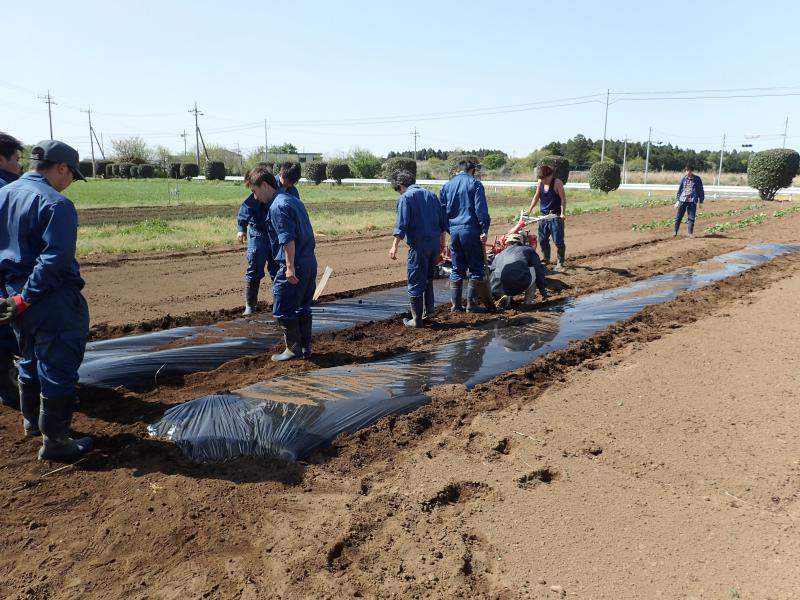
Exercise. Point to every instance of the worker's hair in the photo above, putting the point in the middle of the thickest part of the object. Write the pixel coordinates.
(545, 171)
(689, 166)
(8, 145)
(291, 171)
(466, 165)
(42, 165)
(259, 175)
(404, 178)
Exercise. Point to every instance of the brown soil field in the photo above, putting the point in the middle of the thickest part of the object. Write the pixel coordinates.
(658, 458)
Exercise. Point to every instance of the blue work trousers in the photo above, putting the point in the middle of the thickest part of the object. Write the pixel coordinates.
(258, 254)
(554, 228)
(466, 254)
(422, 259)
(52, 338)
(290, 301)
(685, 208)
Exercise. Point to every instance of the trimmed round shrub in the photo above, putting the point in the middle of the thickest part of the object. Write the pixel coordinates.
(189, 170)
(174, 170)
(215, 170)
(398, 163)
(454, 159)
(102, 167)
(115, 169)
(605, 176)
(135, 171)
(126, 170)
(338, 170)
(145, 171)
(85, 167)
(110, 170)
(559, 164)
(771, 170)
(316, 171)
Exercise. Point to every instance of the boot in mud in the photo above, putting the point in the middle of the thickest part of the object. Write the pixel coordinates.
(546, 253)
(675, 229)
(251, 297)
(54, 420)
(29, 405)
(691, 230)
(291, 335)
(456, 290)
(416, 313)
(473, 302)
(9, 394)
(429, 301)
(305, 324)
(560, 264)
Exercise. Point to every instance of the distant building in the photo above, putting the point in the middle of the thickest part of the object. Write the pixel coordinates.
(308, 156)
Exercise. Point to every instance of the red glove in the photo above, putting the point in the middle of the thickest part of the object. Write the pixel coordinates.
(11, 308)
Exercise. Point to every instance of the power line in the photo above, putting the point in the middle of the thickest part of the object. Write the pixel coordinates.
(48, 99)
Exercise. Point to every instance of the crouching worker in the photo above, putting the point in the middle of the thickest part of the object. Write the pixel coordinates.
(292, 243)
(421, 222)
(516, 270)
(44, 305)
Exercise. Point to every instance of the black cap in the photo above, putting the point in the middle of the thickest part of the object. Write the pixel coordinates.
(58, 152)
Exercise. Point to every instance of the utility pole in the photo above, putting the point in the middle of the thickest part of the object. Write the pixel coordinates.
(183, 135)
(415, 134)
(48, 99)
(647, 159)
(266, 143)
(624, 159)
(91, 141)
(785, 130)
(605, 126)
(196, 112)
(719, 172)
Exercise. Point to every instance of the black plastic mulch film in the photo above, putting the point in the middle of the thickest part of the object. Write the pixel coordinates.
(291, 416)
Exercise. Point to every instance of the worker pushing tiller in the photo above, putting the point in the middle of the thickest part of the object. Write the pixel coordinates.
(421, 222)
(552, 198)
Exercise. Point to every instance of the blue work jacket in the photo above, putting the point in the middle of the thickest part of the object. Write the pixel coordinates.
(7, 177)
(420, 217)
(289, 221)
(698, 193)
(38, 234)
(254, 214)
(464, 200)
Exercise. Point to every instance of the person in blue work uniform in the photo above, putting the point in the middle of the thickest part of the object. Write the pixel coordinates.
(517, 270)
(421, 222)
(467, 212)
(44, 304)
(690, 193)
(252, 227)
(293, 245)
(10, 169)
(552, 198)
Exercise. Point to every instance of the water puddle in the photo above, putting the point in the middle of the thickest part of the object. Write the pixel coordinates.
(145, 359)
(294, 415)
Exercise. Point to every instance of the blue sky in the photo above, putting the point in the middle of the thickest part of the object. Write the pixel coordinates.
(303, 65)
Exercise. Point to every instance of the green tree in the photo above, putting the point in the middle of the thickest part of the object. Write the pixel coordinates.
(364, 163)
(494, 160)
(578, 150)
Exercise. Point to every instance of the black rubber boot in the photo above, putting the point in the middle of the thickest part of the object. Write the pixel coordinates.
(9, 394)
(429, 301)
(546, 253)
(456, 288)
(29, 405)
(416, 312)
(473, 302)
(675, 228)
(291, 335)
(54, 420)
(691, 229)
(251, 297)
(305, 324)
(560, 264)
